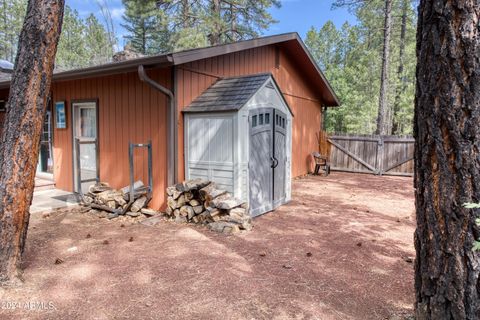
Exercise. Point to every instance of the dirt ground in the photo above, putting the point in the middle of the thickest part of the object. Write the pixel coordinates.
(339, 250)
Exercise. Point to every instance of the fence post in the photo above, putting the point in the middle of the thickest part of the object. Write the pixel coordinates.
(380, 154)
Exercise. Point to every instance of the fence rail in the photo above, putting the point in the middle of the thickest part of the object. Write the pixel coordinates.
(389, 155)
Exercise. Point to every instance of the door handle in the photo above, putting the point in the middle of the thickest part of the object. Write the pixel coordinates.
(275, 164)
(272, 165)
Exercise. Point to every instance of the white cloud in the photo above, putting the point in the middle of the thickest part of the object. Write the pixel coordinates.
(117, 13)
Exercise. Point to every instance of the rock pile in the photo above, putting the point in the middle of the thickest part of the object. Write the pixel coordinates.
(200, 201)
(112, 203)
(128, 53)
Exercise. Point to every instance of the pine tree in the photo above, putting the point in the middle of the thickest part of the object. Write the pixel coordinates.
(383, 111)
(404, 59)
(12, 13)
(72, 49)
(146, 26)
(351, 58)
(198, 23)
(98, 44)
(232, 20)
(184, 26)
(82, 42)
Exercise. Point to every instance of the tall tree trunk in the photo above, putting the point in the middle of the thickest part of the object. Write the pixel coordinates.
(383, 98)
(233, 24)
(215, 36)
(401, 77)
(23, 126)
(447, 159)
(186, 14)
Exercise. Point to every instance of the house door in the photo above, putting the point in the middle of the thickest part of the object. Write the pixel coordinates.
(45, 161)
(267, 160)
(85, 145)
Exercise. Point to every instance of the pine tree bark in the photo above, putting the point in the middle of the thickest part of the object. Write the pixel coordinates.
(382, 123)
(401, 66)
(186, 14)
(23, 126)
(447, 159)
(215, 36)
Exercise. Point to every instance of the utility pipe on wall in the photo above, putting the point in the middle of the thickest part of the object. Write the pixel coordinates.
(171, 127)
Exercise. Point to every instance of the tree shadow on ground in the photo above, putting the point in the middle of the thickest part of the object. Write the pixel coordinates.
(325, 255)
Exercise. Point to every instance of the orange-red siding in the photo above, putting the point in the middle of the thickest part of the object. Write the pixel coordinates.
(129, 111)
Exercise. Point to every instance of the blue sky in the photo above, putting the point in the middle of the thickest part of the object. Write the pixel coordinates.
(294, 15)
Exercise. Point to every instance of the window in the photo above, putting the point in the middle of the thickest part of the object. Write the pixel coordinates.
(267, 118)
(88, 122)
(260, 122)
(276, 119)
(254, 121)
(283, 123)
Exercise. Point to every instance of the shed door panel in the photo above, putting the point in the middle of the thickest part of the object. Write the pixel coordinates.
(261, 173)
(280, 154)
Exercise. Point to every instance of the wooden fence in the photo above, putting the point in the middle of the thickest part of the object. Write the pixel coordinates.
(390, 155)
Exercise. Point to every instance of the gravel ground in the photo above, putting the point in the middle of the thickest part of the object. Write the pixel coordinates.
(341, 249)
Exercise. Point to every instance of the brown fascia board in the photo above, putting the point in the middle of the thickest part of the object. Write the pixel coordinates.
(204, 53)
(113, 68)
(107, 69)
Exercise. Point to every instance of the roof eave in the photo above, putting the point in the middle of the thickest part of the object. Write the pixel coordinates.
(108, 69)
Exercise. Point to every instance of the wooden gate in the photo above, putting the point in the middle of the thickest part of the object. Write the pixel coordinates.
(390, 155)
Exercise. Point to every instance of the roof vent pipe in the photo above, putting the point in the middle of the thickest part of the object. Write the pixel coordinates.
(171, 128)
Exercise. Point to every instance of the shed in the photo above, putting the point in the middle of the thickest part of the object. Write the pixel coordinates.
(239, 135)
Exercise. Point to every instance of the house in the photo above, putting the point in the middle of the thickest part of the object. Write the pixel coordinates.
(244, 114)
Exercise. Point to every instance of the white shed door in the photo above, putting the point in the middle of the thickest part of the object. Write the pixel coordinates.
(267, 165)
(261, 161)
(280, 158)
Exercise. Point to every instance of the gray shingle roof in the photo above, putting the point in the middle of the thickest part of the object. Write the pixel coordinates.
(229, 94)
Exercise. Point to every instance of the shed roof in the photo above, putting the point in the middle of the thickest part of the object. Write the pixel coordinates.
(228, 94)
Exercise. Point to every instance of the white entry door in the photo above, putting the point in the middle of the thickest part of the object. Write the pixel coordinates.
(85, 145)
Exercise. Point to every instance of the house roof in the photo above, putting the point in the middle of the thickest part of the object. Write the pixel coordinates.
(228, 94)
(5, 76)
(290, 41)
